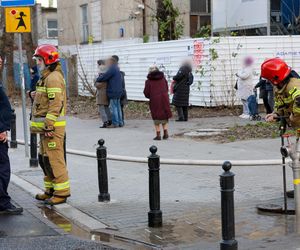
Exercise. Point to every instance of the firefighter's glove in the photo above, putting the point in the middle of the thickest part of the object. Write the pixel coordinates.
(49, 131)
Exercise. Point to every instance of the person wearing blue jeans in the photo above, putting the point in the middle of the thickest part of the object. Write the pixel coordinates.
(114, 91)
(115, 107)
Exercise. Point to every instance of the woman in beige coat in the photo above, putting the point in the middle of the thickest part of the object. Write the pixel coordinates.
(101, 97)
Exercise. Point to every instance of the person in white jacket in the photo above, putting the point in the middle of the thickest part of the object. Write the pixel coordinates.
(245, 85)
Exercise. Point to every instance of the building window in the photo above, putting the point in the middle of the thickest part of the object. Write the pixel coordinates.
(85, 23)
(275, 5)
(52, 31)
(198, 21)
(200, 6)
(200, 15)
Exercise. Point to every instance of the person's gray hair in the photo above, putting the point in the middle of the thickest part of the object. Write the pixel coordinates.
(153, 68)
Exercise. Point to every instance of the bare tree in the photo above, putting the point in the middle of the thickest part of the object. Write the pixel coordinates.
(9, 56)
(29, 47)
(170, 26)
(87, 85)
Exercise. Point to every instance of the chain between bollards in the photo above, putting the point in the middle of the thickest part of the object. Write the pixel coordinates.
(155, 214)
(102, 172)
(227, 206)
(13, 130)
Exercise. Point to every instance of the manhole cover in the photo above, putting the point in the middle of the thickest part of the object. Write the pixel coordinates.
(275, 208)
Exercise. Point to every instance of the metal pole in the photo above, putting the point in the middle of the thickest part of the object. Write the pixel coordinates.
(23, 96)
(269, 18)
(296, 176)
(227, 208)
(155, 214)
(33, 162)
(282, 131)
(102, 172)
(13, 131)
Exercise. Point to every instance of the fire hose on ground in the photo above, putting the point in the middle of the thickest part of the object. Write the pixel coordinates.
(263, 162)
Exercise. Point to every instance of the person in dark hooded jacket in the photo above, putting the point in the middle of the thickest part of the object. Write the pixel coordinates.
(35, 77)
(183, 80)
(6, 207)
(156, 90)
(123, 100)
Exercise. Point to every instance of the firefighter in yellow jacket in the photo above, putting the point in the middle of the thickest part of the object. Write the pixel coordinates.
(286, 91)
(48, 119)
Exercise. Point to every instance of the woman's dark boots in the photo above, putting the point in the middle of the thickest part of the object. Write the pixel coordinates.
(158, 137)
(166, 134)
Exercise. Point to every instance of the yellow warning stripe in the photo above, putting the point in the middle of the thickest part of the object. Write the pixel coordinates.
(296, 181)
(54, 90)
(295, 94)
(61, 186)
(41, 89)
(51, 117)
(41, 124)
(48, 184)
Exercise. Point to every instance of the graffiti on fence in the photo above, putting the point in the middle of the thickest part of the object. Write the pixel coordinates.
(287, 53)
(198, 52)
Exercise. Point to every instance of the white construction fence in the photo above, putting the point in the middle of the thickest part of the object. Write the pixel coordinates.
(216, 61)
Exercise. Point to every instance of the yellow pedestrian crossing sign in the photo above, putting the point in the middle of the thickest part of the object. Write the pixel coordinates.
(17, 20)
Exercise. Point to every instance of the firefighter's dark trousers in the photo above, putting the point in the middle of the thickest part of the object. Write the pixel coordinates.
(4, 176)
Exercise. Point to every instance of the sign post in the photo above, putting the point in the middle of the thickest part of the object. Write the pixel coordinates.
(17, 20)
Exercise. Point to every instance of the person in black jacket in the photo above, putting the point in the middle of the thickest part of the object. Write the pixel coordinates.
(5, 117)
(266, 93)
(183, 80)
(35, 77)
(123, 100)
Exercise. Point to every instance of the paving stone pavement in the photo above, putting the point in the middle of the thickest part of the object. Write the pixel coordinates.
(190, 195)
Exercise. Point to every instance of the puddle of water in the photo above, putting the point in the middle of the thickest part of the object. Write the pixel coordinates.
(205, 226)
(202, 225)
(103, 237)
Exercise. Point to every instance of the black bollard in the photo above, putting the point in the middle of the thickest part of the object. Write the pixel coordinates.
(13, 130)
(227, 206)
(102, 172)
(155, 214)
(33, 162)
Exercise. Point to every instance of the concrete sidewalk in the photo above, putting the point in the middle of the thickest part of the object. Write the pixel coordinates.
(33, 231)
(190, 202)
(136, 137)
(190, 196)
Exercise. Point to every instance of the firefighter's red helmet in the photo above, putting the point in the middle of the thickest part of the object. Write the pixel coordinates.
(275, 70)
(48, 52)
